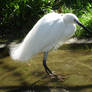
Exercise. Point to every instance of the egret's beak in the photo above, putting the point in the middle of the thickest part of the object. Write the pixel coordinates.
(81, 25)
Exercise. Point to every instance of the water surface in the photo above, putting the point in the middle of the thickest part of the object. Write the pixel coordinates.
(31, 76)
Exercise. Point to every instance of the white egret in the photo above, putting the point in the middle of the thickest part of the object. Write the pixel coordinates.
(51, 29)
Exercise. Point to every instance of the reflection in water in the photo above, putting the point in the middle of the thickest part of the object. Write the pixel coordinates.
(32, 89)
(26, 88)
(41, 90)
(58, 90)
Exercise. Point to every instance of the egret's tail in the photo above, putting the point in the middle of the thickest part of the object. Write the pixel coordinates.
(16, 53)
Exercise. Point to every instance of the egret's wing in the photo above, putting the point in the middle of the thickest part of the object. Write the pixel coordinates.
(41, 37)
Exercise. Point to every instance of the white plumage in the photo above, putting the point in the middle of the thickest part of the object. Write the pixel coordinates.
(51, 29)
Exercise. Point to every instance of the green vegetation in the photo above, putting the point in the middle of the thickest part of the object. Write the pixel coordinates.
(83, 9)
(86, 19)
(17, 17)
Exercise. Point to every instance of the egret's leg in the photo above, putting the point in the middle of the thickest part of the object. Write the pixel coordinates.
(44, 63)
(52, 75)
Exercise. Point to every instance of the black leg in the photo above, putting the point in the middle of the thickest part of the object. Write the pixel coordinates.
(49, 72)
(44, 63)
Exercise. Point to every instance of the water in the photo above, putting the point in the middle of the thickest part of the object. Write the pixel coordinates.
(18, 77)
(34, 89)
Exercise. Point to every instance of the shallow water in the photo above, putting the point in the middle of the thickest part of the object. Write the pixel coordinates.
(18, 77)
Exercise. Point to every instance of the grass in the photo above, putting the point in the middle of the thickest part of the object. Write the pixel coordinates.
(76, 64)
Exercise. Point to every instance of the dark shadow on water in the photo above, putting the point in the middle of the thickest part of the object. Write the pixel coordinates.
(4, 52)
(76, 46)
(29, 88)
(26, 89)
(14, 73)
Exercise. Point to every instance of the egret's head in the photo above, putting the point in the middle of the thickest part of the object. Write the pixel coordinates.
(70, 18)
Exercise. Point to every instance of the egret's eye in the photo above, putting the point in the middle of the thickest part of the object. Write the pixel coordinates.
(74, 20)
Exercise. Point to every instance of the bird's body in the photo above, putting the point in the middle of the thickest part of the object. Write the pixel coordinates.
(45, 35)
(50, 30)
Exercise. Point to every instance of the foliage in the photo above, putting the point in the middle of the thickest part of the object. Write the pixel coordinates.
(9, 9)
(86, 19)
(17, 15)
(83, 9)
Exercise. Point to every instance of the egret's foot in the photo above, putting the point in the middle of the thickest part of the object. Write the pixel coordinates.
(61, 77)
(58, 77)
